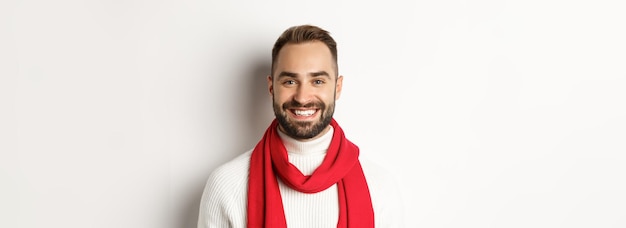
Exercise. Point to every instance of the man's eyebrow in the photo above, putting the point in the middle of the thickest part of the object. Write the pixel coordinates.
(320, 73)
(312, 74)
(287, 74)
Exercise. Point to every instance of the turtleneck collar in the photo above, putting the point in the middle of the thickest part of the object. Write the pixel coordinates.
(315, 146)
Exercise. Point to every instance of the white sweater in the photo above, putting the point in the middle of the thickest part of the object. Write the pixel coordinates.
(224, 200)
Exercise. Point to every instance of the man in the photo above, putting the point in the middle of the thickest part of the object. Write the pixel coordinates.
(303, 172)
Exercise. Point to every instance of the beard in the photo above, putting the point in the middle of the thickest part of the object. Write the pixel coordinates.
(303, 129)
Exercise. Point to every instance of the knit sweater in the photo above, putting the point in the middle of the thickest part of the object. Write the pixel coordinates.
(224, 201)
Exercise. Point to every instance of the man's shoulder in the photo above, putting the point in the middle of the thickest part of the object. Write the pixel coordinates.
(374, 170)
(232, 174)
(238, 166)
(380, 179)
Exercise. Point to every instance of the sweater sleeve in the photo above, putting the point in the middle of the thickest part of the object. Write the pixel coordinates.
(223, 203)
(393, 210)
(385, 193)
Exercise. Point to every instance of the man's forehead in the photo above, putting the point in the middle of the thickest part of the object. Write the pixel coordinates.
(304, 58)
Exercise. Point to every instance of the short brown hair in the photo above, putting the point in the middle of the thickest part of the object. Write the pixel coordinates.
(301, 34)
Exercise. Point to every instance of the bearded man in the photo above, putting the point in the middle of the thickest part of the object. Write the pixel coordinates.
(304, 172)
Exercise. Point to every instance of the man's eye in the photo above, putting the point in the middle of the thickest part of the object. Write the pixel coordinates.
(318, 82)
(289, 82)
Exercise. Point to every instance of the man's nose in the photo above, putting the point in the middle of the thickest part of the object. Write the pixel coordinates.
(303, 94)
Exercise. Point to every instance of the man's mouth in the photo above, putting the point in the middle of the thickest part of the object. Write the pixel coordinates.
(307, 112)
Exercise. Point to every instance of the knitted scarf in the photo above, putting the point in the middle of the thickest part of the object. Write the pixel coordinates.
(341, 166)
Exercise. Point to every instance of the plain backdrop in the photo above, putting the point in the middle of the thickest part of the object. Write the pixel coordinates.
(489, 113)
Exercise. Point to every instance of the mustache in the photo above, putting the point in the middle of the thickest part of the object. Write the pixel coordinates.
(296, 104)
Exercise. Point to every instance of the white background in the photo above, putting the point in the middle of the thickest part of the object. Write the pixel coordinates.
(491, 113)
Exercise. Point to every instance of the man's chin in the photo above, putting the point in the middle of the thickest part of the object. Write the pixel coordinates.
(300, 130)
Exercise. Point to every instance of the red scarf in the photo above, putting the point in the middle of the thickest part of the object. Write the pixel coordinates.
(340, 166)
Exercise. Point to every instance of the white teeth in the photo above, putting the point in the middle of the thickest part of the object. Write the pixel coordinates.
(304, 112)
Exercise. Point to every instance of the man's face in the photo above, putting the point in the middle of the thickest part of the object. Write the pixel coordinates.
(304, 87)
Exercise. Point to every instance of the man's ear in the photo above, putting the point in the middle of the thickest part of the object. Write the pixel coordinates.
(270, 85)
(338, 87)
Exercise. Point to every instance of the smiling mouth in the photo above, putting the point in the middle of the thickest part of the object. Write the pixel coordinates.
(304, 113)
